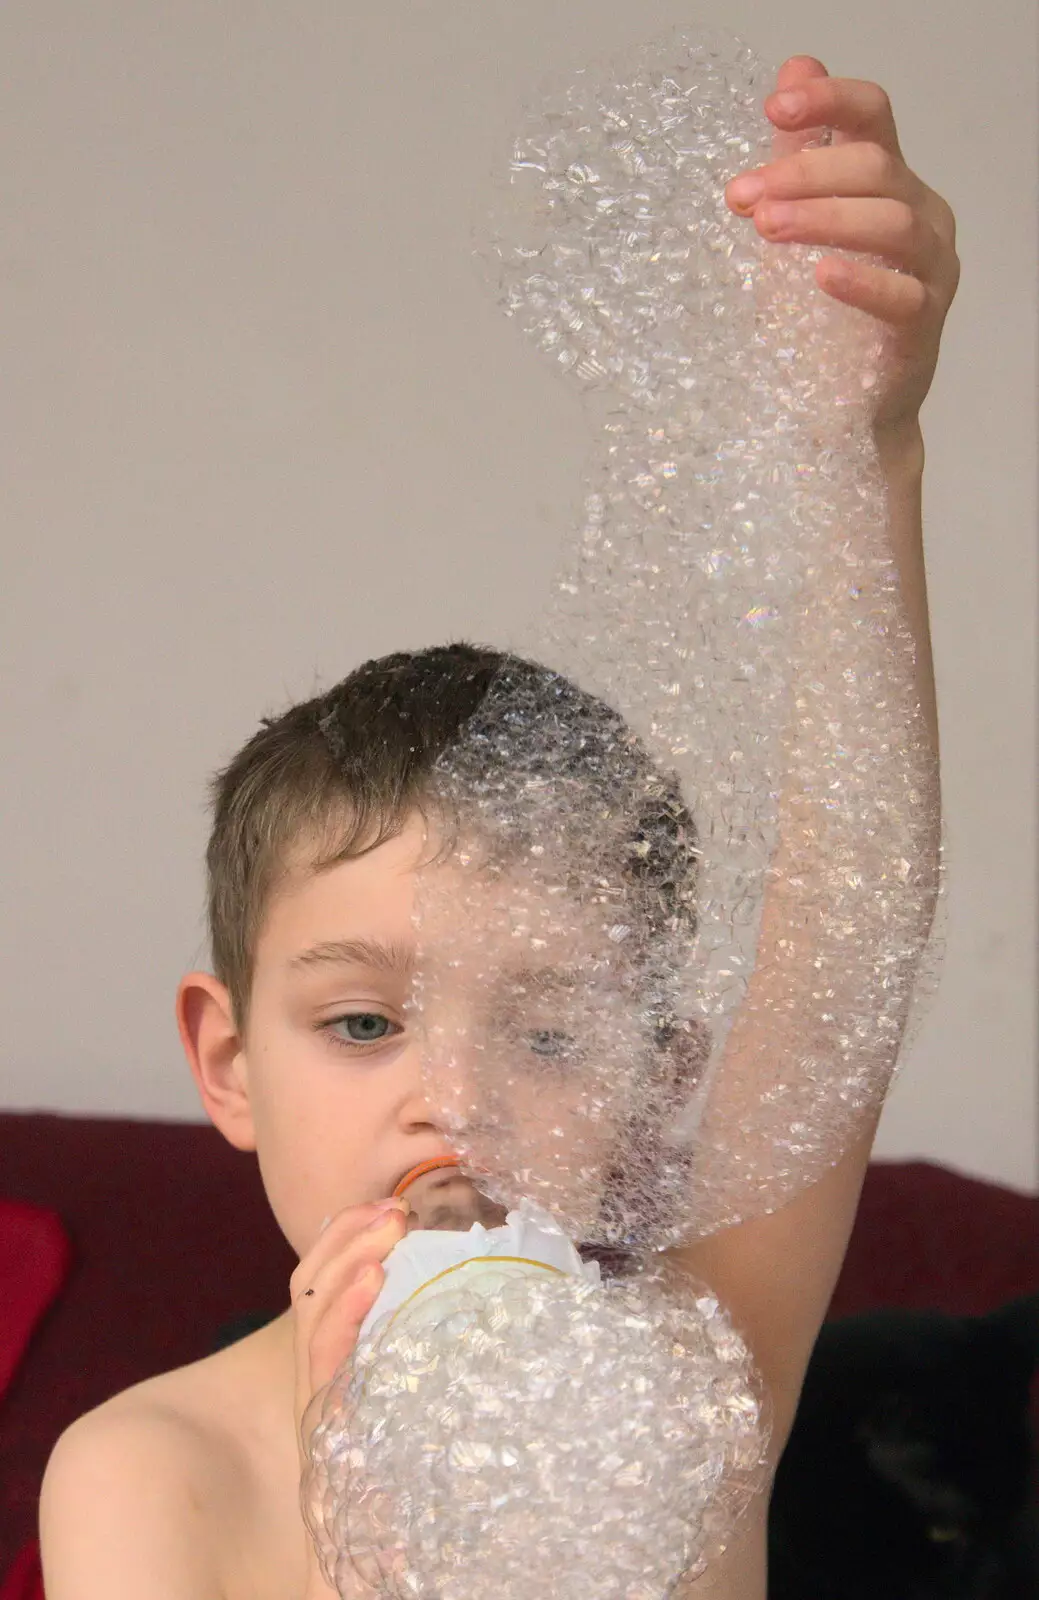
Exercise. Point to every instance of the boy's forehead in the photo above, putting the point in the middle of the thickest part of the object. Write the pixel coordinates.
(514, 917)
(371, 895)
(393, 906)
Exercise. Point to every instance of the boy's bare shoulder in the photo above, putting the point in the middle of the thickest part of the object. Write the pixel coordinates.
(186, 1475)
(200, 1408)
(124, 1498)
(225, 1401)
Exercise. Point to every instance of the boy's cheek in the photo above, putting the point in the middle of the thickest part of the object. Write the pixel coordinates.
(305, 1143)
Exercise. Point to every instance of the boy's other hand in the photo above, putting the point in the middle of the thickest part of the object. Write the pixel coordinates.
(859, 194)
(333, 1289)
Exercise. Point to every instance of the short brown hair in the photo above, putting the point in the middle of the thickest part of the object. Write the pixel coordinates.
(339, 774)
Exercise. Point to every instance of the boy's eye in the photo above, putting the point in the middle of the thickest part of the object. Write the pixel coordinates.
(550, 1043)
(363, 1027)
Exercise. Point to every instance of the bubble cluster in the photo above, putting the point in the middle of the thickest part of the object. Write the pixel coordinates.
(684, 864)
(546, 1429)
(688, 867)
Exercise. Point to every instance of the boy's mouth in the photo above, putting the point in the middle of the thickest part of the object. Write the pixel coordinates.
(443, 1197)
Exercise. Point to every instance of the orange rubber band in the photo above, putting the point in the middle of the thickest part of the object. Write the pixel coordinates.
(421, 1170)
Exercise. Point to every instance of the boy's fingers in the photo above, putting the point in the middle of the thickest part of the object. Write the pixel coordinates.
(329, 1309)
(853, 108)
(863, 171)
(793, 74)
(343, 1227)
(375, 1239)
(322, 1347)
(333, 1338)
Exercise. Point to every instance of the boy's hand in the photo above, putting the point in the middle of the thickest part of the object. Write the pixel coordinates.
(333, 1289)
(858, 194)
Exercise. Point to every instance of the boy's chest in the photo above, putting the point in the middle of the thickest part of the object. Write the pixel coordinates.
(249, 1475)
(264, 1553)
(261, 1540)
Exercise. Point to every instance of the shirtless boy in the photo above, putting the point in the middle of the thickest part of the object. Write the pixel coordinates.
(186, 1487)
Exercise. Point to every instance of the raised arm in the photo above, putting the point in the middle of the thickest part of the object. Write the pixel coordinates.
(776, 1273)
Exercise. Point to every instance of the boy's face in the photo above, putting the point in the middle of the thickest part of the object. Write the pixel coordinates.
(331, 1070)
(514, 1048)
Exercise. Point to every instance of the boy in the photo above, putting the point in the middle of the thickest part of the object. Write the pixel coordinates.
(186, 1487)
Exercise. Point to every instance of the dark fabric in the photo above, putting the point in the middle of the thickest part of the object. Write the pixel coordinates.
(173, 1243)
(239, 1327)
(911, 1471)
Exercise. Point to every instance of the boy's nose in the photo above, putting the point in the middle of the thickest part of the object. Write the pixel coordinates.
(451, 1080)
(446, 1097)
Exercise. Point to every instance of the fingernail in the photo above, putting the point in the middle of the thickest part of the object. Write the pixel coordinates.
(379, 1221)
(777, 214)
(790, 103)
(746, 191)
(324, 1223)
(395, 1203)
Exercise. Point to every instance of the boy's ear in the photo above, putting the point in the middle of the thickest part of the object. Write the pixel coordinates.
(205, 1018)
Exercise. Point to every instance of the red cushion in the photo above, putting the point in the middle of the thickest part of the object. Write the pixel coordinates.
(25, 1580)
(172, 1237)
(34, 1261)
(929, 1238)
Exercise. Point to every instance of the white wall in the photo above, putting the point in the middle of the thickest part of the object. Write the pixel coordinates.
(261, 420)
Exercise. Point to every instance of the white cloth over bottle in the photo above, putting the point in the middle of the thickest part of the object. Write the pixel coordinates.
(530, 1243)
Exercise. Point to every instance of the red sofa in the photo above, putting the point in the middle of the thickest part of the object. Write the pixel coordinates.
(172, 1239)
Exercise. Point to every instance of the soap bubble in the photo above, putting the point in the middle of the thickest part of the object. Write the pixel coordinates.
(684, 870)
(681, 877)
(612, 1433)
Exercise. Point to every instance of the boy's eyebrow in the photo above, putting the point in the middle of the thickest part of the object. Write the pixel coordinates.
(548, 977)
(391, 956)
